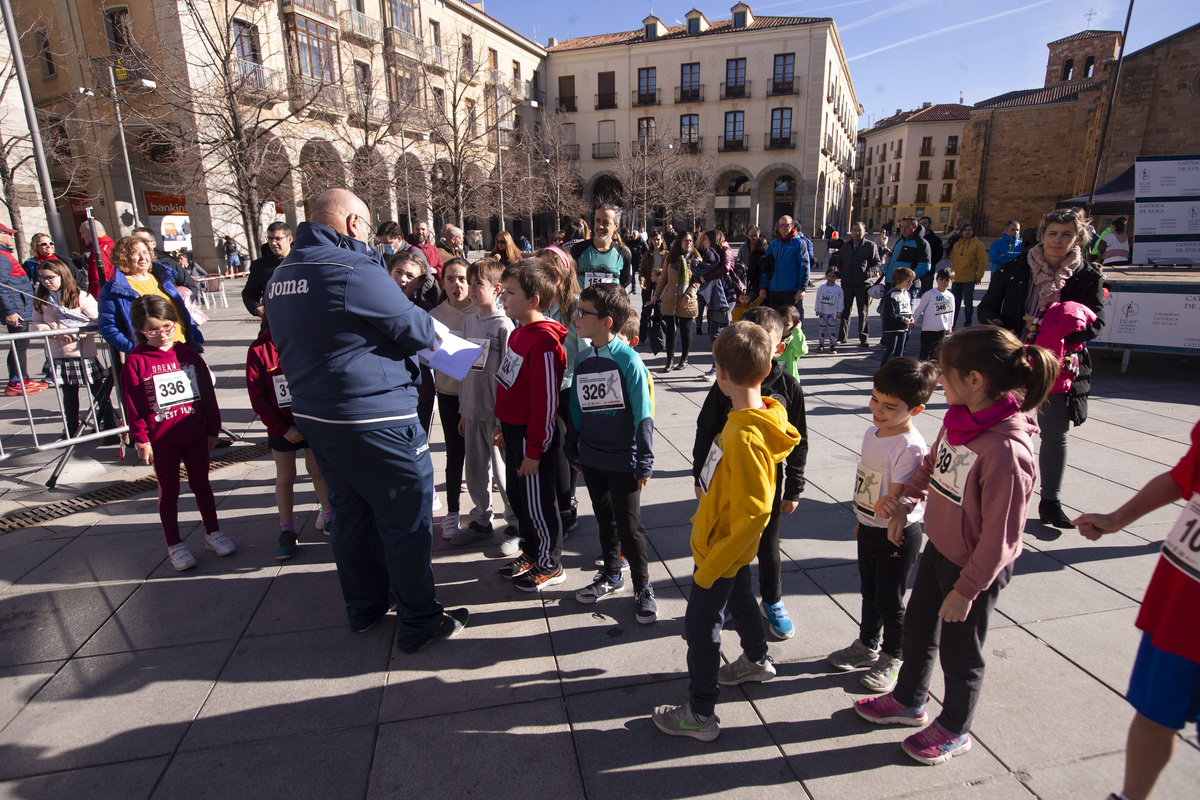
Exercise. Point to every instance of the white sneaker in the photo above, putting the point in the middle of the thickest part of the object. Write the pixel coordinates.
(219, 543)
(437, 501)
(709, 376)
(449, 526)
(320, 521)
(181, 557)
(882, 677)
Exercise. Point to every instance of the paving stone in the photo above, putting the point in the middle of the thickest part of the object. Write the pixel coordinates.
(808, 710)
(1045, 588)
(111, 708)
(602, 645)
(298, 682)
(1030, 688)
(1097, 776)
(502, 657)
(46, 625)
(303, 596)
(317, 766)
(1121, 561)
(536, 734)
(182, 610)
(23, 550)
(18, 684)
(126, 781)
(1105, 643)
(87, 559)
(614, 733)
(996, 787)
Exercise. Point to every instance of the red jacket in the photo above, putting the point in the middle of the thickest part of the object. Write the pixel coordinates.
(94, 281)
(431, 253)
(169, 396)
(267, 386)
(528, 381)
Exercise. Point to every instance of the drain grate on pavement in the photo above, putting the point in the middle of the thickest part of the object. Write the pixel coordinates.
(39, 515)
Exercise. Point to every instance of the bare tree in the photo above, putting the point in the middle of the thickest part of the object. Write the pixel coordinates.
(688, 185)
(63, 132)
(228, 115)
(469, 112)
(551, 168)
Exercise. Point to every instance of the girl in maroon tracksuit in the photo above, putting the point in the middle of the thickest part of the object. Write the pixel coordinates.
(271, 399)
(173, 417)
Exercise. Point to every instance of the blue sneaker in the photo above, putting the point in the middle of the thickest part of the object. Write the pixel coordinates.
(777, 618)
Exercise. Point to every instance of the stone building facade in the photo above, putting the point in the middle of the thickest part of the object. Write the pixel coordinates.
(1026, 150)
(767, 104)
(909, 165)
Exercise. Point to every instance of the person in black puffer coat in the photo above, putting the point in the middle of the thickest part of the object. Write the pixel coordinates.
(1053, 271)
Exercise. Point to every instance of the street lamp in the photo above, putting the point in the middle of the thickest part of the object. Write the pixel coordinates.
(557, 198)
(112, 87)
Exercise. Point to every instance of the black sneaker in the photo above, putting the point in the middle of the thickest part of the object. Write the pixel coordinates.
(364, 625)
(516, 568)
(452, 622)
(647, 609)
(286, 547)
(540, 578)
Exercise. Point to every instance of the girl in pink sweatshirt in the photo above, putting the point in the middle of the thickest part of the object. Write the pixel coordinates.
(978, 479)
(173, 417)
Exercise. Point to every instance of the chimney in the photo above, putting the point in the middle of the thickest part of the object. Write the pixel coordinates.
(926, 104)
(898, 112)
(551, 42)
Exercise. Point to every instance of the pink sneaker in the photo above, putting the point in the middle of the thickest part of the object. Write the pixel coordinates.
(884, 710)
(935, 745)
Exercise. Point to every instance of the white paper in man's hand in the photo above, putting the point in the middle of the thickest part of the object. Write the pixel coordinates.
(451, 354)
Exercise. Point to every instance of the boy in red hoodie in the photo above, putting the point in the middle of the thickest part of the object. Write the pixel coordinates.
(271, 399)
(173, 416)
(526, 406)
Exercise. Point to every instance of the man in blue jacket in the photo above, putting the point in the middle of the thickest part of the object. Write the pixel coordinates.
(910, 250)
(786, 267)
(348, 340)
(1007, 247)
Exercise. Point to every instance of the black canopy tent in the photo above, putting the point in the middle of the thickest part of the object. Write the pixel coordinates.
(1114, 197)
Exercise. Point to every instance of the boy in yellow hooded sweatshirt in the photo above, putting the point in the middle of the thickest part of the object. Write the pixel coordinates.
(738, 483)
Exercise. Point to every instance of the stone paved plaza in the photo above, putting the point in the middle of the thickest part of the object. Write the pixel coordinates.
(120, 678)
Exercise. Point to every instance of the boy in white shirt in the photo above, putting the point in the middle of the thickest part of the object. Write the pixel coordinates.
(935, 313)
(892, 450)
(830, 301)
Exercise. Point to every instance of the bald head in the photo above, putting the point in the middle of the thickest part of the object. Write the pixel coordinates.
(343, 211)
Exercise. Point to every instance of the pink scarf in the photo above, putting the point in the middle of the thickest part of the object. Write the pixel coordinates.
(1048, 280)
(962, 426)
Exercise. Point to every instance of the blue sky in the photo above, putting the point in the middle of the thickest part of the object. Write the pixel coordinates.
(902, 52)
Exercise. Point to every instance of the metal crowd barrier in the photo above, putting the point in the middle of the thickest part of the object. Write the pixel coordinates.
(90, 412)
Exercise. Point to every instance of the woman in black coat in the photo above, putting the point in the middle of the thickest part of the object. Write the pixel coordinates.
(1053, 271)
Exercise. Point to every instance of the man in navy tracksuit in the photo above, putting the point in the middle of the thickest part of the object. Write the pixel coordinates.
(347, 338)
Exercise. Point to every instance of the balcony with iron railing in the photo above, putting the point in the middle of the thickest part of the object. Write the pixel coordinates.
(439, 57)
(689, 94)
(782, 87)
(606, 100)
(128, 70)
(358, 24)
(779, 140)
(257, 80)
(571, 152)
(922, 195)
(529, 91)
(648, 97)
(949, 173)
(326, 8)
(397, 40)
(567, 103)
(947, 196)
(926, 150)
(693, 146)
(952, 149)
(923, 173)
(735, 90)
(606, 150)
(730, 144)
(326, 95)
(366, 112)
